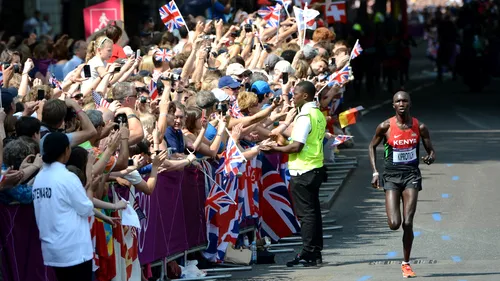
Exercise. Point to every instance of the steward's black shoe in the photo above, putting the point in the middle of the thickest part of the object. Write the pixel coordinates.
(299, 261)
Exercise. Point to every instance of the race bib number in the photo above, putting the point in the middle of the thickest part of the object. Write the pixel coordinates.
(404, 156)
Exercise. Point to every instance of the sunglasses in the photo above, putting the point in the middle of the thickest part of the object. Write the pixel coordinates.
(77, 97)
(142, 90)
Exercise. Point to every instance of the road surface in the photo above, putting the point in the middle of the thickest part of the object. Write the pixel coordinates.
(457, 225)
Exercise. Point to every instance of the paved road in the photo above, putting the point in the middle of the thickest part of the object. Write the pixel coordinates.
(457, 222)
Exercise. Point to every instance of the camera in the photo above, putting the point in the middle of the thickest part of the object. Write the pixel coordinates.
(222, 107)
(248, 28)
(209, 37)
(143, 99)
(17, 69)
(120, 119)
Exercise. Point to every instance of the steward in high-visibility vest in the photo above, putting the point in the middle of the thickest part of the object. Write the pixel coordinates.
(307, 172)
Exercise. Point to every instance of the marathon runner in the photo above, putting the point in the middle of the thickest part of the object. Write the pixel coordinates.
(401, 179)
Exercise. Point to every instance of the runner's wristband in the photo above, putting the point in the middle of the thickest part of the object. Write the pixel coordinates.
(375, 174)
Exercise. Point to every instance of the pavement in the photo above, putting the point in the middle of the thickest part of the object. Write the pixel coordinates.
(457, 221)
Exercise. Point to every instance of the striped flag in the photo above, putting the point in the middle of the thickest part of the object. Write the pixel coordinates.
(349, 117)
(153, 90)
(99, 100)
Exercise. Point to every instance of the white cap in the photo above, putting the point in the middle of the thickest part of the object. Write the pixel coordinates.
(284, 66)
(220, 95)
(235, 69)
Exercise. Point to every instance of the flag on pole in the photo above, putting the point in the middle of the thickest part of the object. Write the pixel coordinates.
(340, 77)
(171, 16)
(349, 117)
(356, 50)
(305, 18)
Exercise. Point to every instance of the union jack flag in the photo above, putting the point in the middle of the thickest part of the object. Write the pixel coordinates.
(222, 225)
(277, 218)
(340, 77)
(153, 90)
(54, 82)
(171, 16)
(340, 139)
(99, 100)
(356, 50)
(234, 109)
(217, 200)
(268, 12)
(164, 55)
(233, 158)
(1, 78)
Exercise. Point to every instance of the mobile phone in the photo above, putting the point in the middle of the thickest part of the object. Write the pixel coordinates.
(119, 119)
(40, 94)
(86, 71)
(248, 28)
(118, 69)
(130, 162)
(285, 77)
(158, 151)
(138, 53)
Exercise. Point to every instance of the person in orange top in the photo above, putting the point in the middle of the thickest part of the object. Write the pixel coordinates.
(401, 179)
(114, 33)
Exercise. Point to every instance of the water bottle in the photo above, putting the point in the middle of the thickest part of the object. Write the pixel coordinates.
(246, 242)
(254, 253)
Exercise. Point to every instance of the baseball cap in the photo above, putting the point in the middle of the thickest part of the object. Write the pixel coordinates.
(271, 60)
(8, 96)
(261, 88)
(228, 81)
(284, 66)
(309, 52)
(220, 95)
(236, 69)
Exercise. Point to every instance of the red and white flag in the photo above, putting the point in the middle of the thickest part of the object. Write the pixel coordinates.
(336, 12)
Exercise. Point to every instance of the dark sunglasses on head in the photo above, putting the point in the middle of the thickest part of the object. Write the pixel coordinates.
(142, 90)
(78, 96)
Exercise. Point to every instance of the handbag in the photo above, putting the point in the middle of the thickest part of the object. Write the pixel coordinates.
(237, 256)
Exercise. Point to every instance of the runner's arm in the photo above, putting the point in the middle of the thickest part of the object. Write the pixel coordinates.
(376, 140)
(426, 140)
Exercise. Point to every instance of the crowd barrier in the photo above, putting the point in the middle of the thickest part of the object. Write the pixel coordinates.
(175, 223)
(175, 220)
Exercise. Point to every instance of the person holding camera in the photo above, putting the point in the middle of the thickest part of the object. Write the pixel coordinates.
(126, 94)
(55, 112)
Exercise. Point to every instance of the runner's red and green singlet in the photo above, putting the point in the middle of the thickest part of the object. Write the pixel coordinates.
(401, 149)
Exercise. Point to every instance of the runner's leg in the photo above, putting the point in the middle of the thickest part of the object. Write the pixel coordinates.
(392, 203)
(410, 197)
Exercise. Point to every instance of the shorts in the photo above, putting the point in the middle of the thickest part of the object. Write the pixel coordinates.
(401, 180)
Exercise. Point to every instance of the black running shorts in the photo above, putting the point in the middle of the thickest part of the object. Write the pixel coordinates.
(400, 180)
